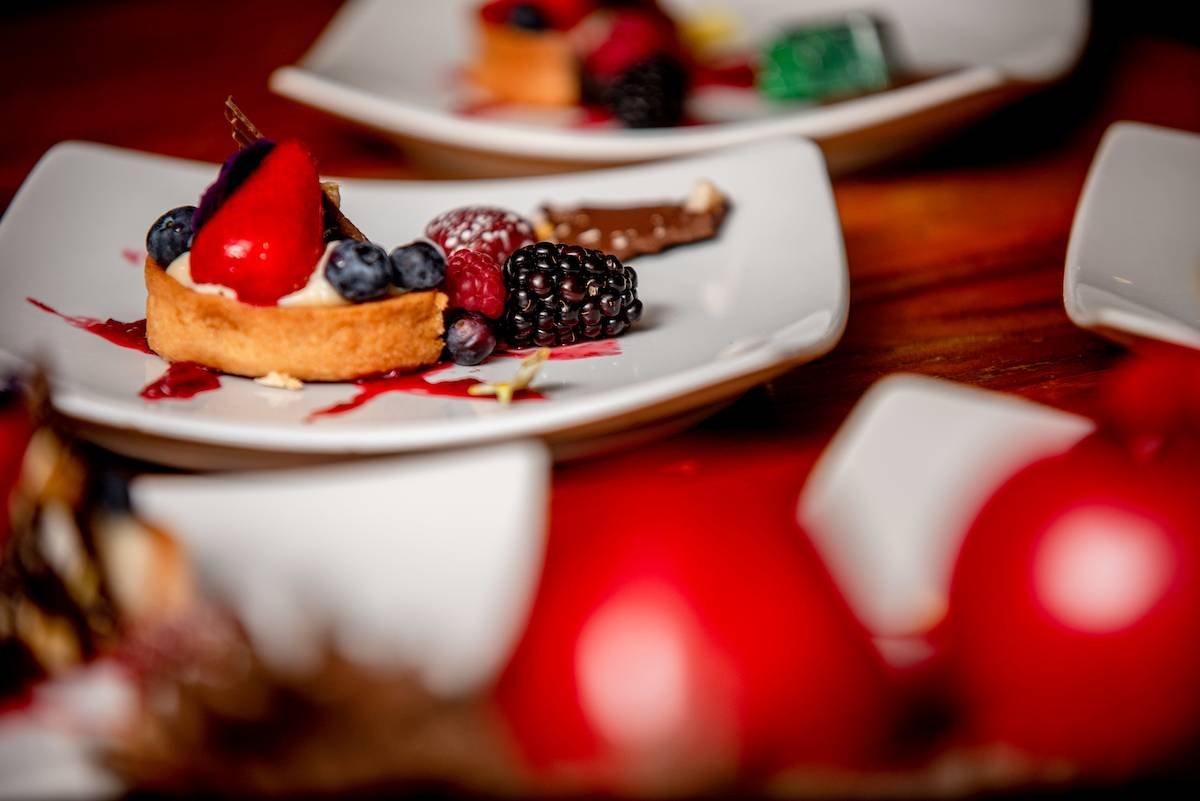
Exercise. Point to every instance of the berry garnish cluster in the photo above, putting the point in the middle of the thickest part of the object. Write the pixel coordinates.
(504, 286)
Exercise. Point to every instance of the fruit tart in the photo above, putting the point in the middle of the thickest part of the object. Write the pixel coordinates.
(267, 276)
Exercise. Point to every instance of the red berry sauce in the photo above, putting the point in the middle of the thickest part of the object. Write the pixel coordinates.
(134, 257)
(566, 353)
(415, 384)
(128, 335)
(181, 381)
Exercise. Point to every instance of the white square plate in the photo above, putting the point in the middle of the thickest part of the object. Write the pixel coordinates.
(1133, 263)
(393, 65)
(891, 498)
(768, 293)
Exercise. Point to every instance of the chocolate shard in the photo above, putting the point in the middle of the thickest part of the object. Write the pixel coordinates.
(629, 231)
(246, 133)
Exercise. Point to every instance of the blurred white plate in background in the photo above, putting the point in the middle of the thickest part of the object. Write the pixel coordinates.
(393, 66)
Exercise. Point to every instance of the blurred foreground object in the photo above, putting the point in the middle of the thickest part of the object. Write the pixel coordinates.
(675, 656)
(77, 570)
(1073, 632)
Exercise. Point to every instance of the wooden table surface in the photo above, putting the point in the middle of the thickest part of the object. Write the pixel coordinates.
(956, 259)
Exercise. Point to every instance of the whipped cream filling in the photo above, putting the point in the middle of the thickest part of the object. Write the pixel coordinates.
(317, 292)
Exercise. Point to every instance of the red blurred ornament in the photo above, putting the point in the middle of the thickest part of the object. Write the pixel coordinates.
(669, 651)
(1151, 402)
(1074, 616)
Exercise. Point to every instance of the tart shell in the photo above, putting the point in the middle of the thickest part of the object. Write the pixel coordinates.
(337, 343)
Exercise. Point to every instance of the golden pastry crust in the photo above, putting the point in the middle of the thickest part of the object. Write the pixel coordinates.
(337, 343)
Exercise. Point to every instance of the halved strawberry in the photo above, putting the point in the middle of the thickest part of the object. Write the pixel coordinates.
(266, 238)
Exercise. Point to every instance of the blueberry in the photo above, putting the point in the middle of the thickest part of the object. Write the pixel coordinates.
(469, 338)
(359, 271)
(418, 265)
(528, 16)
(171, 235)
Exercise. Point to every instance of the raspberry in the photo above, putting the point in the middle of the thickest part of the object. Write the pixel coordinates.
(496, 232)
(634, 36)
(565, 14)
(474, 283)
(561, 294)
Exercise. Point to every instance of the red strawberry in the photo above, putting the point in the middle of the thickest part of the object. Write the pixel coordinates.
(635, 35)
(474, 282)
(497, 11)
(265, 240)
(559, 14)
(496, 232)
(566, 14)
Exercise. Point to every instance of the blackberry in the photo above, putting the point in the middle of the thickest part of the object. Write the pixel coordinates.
(650, 94)
(562, 294)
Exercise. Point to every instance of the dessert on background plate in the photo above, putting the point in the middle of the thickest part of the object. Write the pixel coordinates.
(768, 68)
(635, 64)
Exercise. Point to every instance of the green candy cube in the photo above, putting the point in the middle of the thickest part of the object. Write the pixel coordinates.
(824, 60)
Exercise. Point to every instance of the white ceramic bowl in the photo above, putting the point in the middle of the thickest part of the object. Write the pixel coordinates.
(1133, 263)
